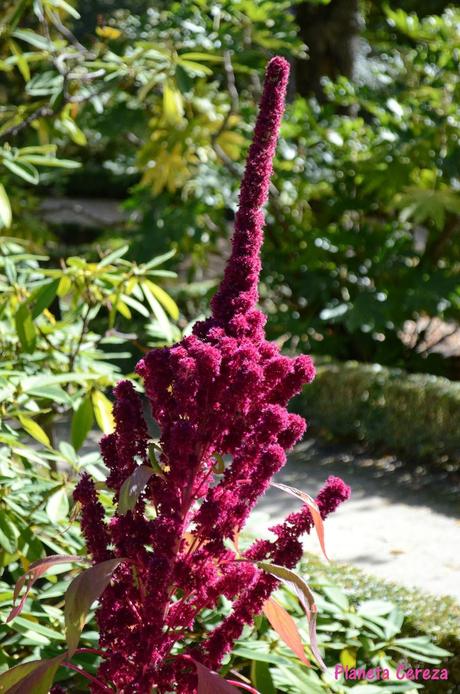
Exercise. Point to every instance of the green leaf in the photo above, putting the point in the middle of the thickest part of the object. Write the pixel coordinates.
(158, 260)
(261, 677)
(173, 108)
(154, 462)
(57, 507)
(32, 38)
(374, 608)
(136, 305)
(195, 68)
(43, 297)
(36, 676)
(337, 596)
(24, 170)
(76, 134)
(65, 285)
(22, 63)
(164, 299)
(80, 595)
(157, 310)
(24, 625)
(53, 162)
(54, 393)
(6, 214)
(201, 56)
(133, 487)
(252, 650)
(103, 412)
(115, 255)
(25, 328)
(82, 422)
(8, 533)
(63, 5)
(34, 429)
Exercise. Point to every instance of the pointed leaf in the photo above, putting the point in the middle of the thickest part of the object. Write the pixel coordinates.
(34, 572)
(34, 430)
(133, 487)
(5, 208)
(26, 171)
(82, 421)
(114, 255)
(306, 597)
(285, 627)
(157, 310)
(261, 677)
(36, 676)
(25, 328)
(173, 107)
(57, 507)
(313, 508)
(41, 299)
(219, 466)
(103, 412)
(164, 299)
(210, 682)
(8, 534)
(158, 260)
(154, 462)
(80, 595)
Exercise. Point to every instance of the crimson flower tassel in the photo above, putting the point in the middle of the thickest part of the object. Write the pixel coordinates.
(220, 392)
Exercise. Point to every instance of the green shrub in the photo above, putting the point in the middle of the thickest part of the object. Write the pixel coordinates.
(416, 415)
(435, 616)
(362, 622)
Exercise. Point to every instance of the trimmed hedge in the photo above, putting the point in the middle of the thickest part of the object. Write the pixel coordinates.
(417, 415)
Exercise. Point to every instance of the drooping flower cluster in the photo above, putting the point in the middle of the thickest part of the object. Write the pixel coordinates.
(221, 391)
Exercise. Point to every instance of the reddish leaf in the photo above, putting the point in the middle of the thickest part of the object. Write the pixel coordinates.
(211, 683)
(306, 597)
(80, 595)
(34, 572)
(285, 627)
(133, 487)
(36, 676)
(313, 508)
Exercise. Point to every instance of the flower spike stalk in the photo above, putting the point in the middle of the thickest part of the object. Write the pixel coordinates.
(221, 391)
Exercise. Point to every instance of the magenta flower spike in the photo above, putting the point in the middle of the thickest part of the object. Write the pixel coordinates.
(238, 293)
(221, 391)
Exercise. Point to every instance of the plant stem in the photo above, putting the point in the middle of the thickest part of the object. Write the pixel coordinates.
(88, 676)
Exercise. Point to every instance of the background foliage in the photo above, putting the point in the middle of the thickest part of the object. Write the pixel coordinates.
(363, 226)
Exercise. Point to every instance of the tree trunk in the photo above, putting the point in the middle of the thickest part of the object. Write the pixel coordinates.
(330, 33)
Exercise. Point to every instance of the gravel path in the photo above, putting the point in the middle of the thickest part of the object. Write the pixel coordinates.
(402, 522)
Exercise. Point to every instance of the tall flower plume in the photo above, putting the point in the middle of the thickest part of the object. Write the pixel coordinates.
(221, 391)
